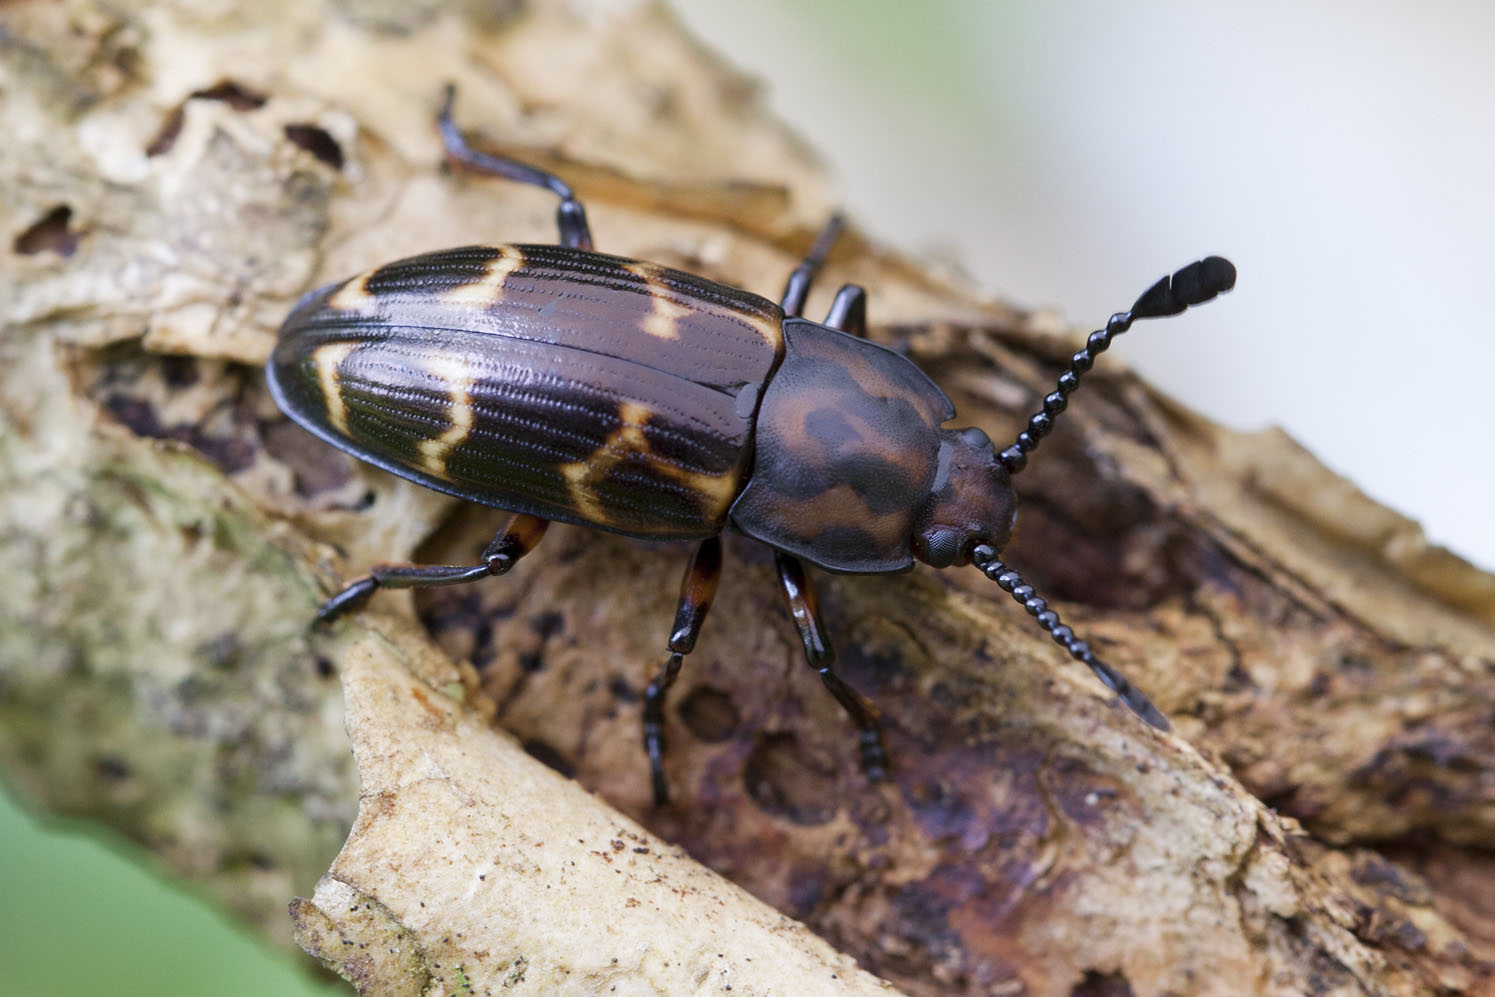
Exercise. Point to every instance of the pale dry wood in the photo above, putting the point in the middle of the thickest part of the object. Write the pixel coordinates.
(167, 537)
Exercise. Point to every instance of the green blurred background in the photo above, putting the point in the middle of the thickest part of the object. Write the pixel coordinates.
(1064, 154)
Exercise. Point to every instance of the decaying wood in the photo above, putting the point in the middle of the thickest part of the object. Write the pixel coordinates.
(176, 175)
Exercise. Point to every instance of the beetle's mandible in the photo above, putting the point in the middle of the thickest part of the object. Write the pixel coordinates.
(563, 384)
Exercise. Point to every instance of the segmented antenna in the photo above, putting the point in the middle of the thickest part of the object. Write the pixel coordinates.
(984, 557)
(1193, 285)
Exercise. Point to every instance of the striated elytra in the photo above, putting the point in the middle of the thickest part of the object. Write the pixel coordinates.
(563, 384)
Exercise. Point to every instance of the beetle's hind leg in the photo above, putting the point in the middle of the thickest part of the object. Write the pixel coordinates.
(821, 657)
(513, 542)
(697, 590)
(570, 216)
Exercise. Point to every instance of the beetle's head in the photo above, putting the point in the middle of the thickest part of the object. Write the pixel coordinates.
(971, 501)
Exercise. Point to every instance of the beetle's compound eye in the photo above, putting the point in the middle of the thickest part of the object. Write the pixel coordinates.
(970, 502)
(941, 547)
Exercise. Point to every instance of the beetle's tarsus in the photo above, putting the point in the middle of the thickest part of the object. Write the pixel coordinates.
(353, 597)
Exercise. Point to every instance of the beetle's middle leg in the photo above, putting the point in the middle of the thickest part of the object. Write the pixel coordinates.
(697, 590)
(849, 311)
(797, 287)
(570, 215)
(514, 541)
(821, 657)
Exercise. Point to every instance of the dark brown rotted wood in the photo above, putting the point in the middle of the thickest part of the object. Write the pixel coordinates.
(560, 383)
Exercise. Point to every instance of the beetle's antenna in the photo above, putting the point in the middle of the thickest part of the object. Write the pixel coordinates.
(984, 557)
(1193, 285)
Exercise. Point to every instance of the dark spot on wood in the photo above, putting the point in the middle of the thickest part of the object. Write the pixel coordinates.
(942, 813)
(1098, 984)
(229, 453)
(785, 783)
(314, 469)
(50, 233)
(235, 95)
(180, 371)
(550, 757)
(1083, 795)
(166, 135)
(111, 769)
(548, 624)
(134, 414)
(317, 142)
(709, 713)
(221, 652)
(872, 672)
(808, 888)
(622, 690)
(324, 666)
(531, 661)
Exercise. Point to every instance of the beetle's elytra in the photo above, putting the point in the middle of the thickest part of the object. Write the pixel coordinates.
(563, 384)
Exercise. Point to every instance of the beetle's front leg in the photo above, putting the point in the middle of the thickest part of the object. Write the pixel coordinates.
(697, 590)
(513, 542)
(822, 658)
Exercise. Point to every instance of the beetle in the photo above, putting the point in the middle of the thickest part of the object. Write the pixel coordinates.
(563, 384)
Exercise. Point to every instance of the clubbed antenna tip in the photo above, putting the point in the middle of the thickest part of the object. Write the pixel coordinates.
(1192, 285)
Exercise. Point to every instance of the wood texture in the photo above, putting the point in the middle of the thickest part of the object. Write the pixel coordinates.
(1320, 821)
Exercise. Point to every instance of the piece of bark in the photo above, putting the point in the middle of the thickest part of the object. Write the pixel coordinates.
(176, 177)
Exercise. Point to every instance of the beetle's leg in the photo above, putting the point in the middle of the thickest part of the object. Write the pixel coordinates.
(797, 287)
(818, 652)
(697, 590)
(571, 217)
(513, 542)
(849, 311)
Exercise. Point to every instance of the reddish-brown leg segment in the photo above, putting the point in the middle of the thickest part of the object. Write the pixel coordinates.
(697, 590)
(821, 657)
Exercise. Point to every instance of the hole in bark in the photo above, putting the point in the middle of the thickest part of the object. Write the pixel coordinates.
(709, 713)
(50, 233)
(317, 142)
(787, 784)
(1098, 984)
(235, 95)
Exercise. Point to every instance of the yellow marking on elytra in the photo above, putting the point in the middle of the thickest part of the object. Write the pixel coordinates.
(354, 295)
(327, 359)
(582, 477)
(459, 378)
(772, 331)
(488, 289)
(665, 312)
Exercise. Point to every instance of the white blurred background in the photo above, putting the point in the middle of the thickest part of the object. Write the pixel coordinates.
(1067, 154)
